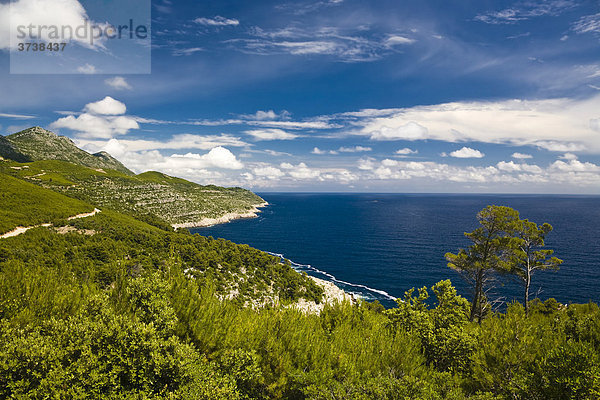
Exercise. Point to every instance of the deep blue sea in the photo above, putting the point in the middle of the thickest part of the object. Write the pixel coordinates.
(380, 245)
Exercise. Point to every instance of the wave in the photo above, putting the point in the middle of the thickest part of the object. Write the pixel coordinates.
(307, 267)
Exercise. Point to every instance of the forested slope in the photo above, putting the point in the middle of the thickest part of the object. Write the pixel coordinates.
(25, 204)
(151, 195)
(111, 307)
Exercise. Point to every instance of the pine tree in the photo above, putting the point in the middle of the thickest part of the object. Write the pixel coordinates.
(528, 255)
(489, 253)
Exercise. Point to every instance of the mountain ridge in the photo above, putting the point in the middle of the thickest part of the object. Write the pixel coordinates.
(36, 144)
(54, 162)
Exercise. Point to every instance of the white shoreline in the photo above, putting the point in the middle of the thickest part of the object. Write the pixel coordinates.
(205, 222)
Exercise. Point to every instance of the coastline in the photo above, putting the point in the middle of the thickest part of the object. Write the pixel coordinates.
(228, 217)
(331, 294)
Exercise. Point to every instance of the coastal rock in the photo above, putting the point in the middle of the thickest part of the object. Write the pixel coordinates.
(331, 295)
(228, 217)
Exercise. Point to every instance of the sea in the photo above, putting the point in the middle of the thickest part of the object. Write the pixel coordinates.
(378, 246)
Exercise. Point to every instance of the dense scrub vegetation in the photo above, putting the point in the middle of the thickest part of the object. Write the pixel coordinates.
(25, 204)
(159, 334)
(111, 307)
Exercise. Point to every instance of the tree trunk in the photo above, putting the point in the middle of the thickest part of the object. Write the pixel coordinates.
(527, 285)
(477, 296)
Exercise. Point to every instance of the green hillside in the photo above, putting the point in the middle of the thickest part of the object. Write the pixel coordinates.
(171, 199)
(112, 307)
(54, 162)
(25, 204)
(39, 144)
(108, 307)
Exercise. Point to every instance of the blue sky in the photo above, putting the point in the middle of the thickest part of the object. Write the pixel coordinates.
(336, 95)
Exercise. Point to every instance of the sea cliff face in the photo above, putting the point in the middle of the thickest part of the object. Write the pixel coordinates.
(228, 217)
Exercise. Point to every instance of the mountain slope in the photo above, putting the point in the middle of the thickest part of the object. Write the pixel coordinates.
(7, 150)
(103, 242)
(39, 144)
(162, 197)
(25, 204)
(41, 157)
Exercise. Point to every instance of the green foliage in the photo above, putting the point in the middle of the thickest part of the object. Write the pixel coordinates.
(110, 307)
(447, 339)
(100, 354)
(487, 254)
(25, 204)
(528, 255)
(156, 198)
(537, 357)
(503, 244)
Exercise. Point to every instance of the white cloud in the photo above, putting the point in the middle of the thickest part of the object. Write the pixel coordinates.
(521, 156)
(268, 115)
(261, 115)
(102, 119)
(184, 141)
(390, 163)
(396, 39)
(95, 126)
(508, 166)
(301, 171)
(355, 149)
(318, 151)
(575, 166)
(553, 145)
(568, 156)
(118, 83)
(268, 172)
(467, 152)
(187, 164)
(58, 13)
(219, 157)
(187, 51)
(348, 44)
(526, 10)
(572, 173)
(87, 69)
(511, 166)
(406, 151)
(217, 21)
(276, 153)
(555, 124)
(293, 124)
(587, 24)
(106, 106)
(271, 134)
(408, 131)
(17, 116)
(366, 164)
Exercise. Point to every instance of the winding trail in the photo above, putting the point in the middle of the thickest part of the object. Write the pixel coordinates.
(19, 230)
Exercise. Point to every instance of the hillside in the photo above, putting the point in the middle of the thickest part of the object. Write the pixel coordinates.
(113, 237)
(174, 200)
(55, 163)
(39, 144)
(25, 204)
(109, 307)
